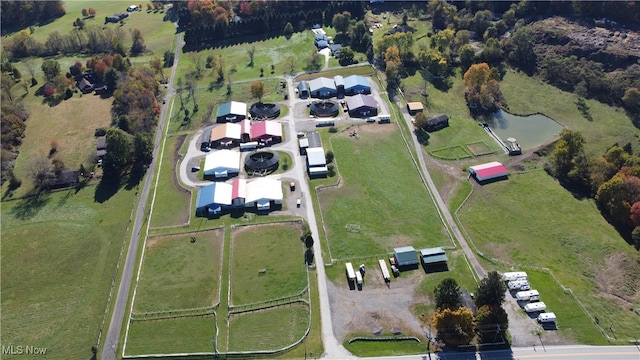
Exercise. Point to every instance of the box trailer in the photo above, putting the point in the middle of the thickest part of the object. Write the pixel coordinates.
(249, 146)
(358, 278)
(530, 295)
(351, 275)
(516, 275)
(546, 317)
(384, 119)
(518, 285)
(534, 307)
(385, 271)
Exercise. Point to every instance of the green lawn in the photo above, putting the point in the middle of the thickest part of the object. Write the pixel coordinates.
(384, 348)
(530, 220)
(269, 329)
(179, 274)
(382, 193)
(172, 201)
(58, 262)
(275, 248)
(171, 336)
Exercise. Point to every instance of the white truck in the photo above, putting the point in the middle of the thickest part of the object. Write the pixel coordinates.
(515, 275)
(358, 278)
(547, 318)
(530, 295)
(535, 307)
(351, 275)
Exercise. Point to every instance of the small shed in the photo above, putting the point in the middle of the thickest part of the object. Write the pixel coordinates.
(303, 144)
(232, 111)
(433, 256)
(316, 157)
(303, 90)
(101, 147)
(405, 256)
(437, 122)
(415, 107)
(489, 171)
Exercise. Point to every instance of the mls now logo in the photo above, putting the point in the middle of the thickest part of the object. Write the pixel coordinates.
(23, 350)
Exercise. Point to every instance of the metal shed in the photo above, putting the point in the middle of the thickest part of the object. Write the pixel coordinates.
(405, 256)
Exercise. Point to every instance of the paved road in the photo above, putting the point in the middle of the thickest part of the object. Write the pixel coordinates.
(115, 326)
(570, 352)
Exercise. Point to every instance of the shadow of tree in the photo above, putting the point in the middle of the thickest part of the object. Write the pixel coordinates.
(30, 205)
(106, 189)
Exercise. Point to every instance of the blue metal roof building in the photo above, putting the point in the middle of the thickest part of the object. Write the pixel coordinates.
(356, 84)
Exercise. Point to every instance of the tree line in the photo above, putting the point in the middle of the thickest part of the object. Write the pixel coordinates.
(207, 21)
(612, 179)
(16, 14)
(456, 324)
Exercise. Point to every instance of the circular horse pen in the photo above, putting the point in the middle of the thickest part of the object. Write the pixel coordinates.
(264, 110)
(324, 108)
(261, 162)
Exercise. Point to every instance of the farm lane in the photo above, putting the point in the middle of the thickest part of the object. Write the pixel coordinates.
(115, 325)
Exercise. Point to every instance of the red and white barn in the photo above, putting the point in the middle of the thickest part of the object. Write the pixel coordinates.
(489, 171)
(266, 132)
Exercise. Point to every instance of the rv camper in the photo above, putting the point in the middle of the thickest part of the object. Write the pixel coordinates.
(518, 285)
(516, 275)
(534, 307)
(547, 318)
(530, 295)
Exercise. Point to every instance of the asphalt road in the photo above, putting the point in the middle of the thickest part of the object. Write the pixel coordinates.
(119, 309)
(565, 352)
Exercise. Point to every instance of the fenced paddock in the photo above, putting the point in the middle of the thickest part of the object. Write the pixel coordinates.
(267, 262)
(180, 272)
(479, 148)
(270, 329)
(456, 152)
(170, 336)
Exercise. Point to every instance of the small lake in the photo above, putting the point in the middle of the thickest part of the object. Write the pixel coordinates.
(530, 131)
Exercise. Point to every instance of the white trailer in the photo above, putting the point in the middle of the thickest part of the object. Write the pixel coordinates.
(385, 271)
(518, 285)
(516, 275)
(534, 307)
(351, 275)
(547, 317)
(358, 278)
(249, 146)
(530, 295)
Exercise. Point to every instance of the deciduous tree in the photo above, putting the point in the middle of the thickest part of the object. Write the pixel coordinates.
(257, 90)
(51, 69)
(455, 327)
(491, 322)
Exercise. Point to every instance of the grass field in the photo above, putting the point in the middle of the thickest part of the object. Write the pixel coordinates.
(172, 201)
(269, 329)
(171, 336)
(384, 348)
(179, 274)
(565, 234)
(275, 248)
(58, 261)
(382, 193)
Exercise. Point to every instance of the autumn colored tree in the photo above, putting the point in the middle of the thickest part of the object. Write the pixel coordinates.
(85, 13)
(49, 90)
(455, 327)
(568, 160)
(617, 195)
(138, 46)
(635, 214)
(257, 90)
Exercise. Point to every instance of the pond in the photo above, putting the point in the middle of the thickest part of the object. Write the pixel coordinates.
(530, 131)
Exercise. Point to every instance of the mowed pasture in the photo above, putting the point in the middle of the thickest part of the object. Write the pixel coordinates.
(179, 273)
(59, 256)
(380, 202)
(530, 220)
(269, 329)
(172, 336)
(267, 262)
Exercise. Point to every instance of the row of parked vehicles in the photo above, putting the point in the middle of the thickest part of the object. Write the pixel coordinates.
(517, 281)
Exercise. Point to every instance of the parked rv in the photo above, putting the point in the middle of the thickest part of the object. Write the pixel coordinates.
(546, 317)
(513, 276)
(518, 285)
(530, 295)
(534, 307)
